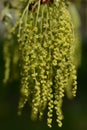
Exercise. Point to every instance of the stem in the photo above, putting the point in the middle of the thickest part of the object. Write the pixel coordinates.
(38, 12)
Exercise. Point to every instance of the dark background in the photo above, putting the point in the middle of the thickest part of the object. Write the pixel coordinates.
(75, 111)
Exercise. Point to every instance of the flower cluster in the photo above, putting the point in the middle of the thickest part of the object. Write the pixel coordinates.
(46, 42)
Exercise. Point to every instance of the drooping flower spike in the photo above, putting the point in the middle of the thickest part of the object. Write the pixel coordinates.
(47, 69)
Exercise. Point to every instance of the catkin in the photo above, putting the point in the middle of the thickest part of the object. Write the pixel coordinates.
(46, 42)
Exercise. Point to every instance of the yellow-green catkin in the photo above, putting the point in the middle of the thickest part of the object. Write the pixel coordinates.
(10, 56)
(10, 53)
(7, 59)
(77, 26)
(46, 41)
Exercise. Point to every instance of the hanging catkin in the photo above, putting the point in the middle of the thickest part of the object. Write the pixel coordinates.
(47, 70)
